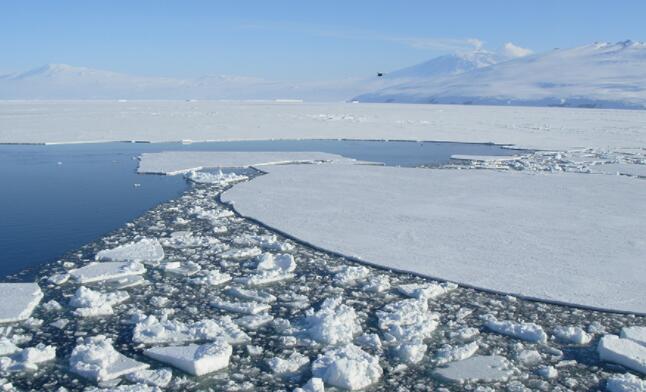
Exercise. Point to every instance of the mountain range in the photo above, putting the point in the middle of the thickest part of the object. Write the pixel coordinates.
(604, 75)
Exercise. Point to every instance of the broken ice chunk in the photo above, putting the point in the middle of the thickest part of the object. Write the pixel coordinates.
(347, 367)
(155, 377)
(625, 352)
(96, 359)
(290, 367)
(240, 307)
(525, 331)
(150, 330)
(218, 178)
(185, 269)
(333, 323)
(95, 272)
(637, 334)
(147, 250)
(264, 277)
(91, 303)
(253, 322)
(212, 278)
(282, 262)
(194, 359)
(239, 254)
(477, 369)
(426, 290)
(450, 353)
(574, 335)
(625, 383)
(7, 347)
(18, 301)
(186, 239)
(59, 279)
(250, 295)
(315, 384)
(350, 274)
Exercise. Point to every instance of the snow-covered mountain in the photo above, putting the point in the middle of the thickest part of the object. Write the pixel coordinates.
(451, 64)
(602, 75)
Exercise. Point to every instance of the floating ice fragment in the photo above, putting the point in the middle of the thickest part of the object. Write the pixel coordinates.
(290, 367)
(347, 367)
(547, 372)
(525, 331)
(334, 323)
(95, 272)
(250, 295)
(194, 359)
(150, 330)
(349, 274)
(218, 178)
(315, 384)
(271, 262)
(155, 377)
(186, 239)
(625, 352)
(455, 353)
(240, 307)
(212, 278)
(18, 301)
(377, 284)
(59, 279)
(477, 369)
(239, 254)
(96, 359)
(147, 250)
(266, 242)
(625, 383)
(7, 347)
(369, 340)
(637, 334)
(185, 269)
(90, 303)
(426, 290)
(574, 335)
(253, 322)
(38, 354)
(264, 277)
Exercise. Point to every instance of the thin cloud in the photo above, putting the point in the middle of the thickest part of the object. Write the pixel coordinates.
(513, 51)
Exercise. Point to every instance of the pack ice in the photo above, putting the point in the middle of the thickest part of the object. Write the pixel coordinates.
(194, 359)
(19, 300)
(146, 250)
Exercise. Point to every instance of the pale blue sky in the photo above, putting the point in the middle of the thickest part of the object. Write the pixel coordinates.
(293, 40)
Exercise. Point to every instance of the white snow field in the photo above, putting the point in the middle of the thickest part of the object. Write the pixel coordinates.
(18, 301)
(156, 121)
(566, 238)
(177, 162)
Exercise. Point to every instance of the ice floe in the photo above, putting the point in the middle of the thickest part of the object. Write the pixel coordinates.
(625, 383)
(389, 212)
(147, 250)
(636, 333)
(218, 178)
(347, 367)
(477, 369)
(530, 332)
(289, 367)
(240, 307)
(98, 271)
(151, 330)
(154, 377)
(282, 262)
(314, 384)
(90, 303)
(18, 301)
(625, 352)
(95, 358)
(333, 323)
(194, 359)
(575, 335)
(426, 290)
(212, 278)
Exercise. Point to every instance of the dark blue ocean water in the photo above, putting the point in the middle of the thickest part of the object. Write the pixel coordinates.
(55, 198)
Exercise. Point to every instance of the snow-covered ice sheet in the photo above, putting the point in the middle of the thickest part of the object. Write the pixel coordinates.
(176, 162)
(18, 301)
(542, 128)
(567, 238)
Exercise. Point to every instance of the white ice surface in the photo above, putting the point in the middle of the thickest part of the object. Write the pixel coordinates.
(99, 271)
(147, 250)
(194, 359)
(568, 238)
(625, 352)
(18, 301)
(477, 368)
(636, 333)
(347, 367)
(95, 358)
(543, 128)
(176, 162)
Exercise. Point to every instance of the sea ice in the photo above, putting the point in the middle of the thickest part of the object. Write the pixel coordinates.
(212, 278)
(625, 383)
(314, 384)
(239, 254)
(349, 274)
(455, 353)
(389, 212)
(264, 277)
(292, 366)
(218, 178)
(194, 359)
(281, 262)
(255, 321)
(18, 301)
(90, 303)
(151, 330)
(98, 271)
(240, 307)
(636, 333)
(250, 295)
(575, 335)
(96, 359)
(347, 367)
(530, 332)
(155, 377)
(477, 369)
(426, 290)
(147, 250)
(334, 322)
(625, 352)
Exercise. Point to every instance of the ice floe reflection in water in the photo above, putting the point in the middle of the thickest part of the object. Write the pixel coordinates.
(55, 198)
(315, 315)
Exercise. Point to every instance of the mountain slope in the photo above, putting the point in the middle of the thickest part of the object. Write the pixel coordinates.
(598, 75)
(451, 64)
